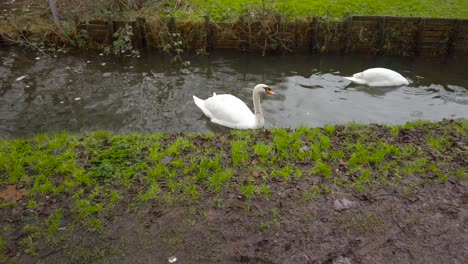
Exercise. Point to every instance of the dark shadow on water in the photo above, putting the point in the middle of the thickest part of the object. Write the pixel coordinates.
(373, 91)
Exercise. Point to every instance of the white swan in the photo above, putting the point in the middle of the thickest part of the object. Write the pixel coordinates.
(228, 110)
(379, 77)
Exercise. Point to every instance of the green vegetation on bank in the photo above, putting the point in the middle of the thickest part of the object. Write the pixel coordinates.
(93, 173)
(298, 9)
(29, 23)
(225, 10)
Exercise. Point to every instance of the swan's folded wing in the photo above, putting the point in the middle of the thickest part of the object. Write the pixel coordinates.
(228, 109)
(374, 75)
(384, 77)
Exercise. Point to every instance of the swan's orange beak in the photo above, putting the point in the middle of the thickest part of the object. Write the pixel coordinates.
(269, 91)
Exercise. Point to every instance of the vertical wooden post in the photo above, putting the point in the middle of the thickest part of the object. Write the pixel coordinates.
(297, 25)
(172, 25)
(454, 32)
(381, 36)
(140, 33)
(279, 26)
(346, 29)
(55, 14)
(110, 30)
(209, 34)
(279, 29)
(243, 34)
(420, 36)
(314, 36)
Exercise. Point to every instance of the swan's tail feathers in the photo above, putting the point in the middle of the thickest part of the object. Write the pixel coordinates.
(356, 80)
(201, 104)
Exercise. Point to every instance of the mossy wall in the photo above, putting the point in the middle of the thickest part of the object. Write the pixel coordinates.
(271, 34)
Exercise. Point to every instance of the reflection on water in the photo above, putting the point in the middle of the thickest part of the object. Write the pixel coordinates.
(84, 91)
(380, 91)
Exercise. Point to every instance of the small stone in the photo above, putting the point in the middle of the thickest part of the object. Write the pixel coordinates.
(107, 74)
(103, 64)
(166, 160)
(38, 58)
(342, 204)
(172, 259)
(77, 99)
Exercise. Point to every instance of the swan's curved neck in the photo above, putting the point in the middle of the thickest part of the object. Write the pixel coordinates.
(259, 120)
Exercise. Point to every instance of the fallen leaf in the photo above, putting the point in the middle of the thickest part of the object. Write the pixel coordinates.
(11, 194)
(212, 214)
(266, 132)
(145, 151)
(343, 163)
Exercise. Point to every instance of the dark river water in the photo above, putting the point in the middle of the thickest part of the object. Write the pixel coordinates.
(86, 91)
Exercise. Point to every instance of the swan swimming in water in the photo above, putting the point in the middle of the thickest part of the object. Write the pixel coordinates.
(378, 77)
(228, 110)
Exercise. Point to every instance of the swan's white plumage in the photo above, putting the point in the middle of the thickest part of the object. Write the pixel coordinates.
(228, 110)
(379, 77)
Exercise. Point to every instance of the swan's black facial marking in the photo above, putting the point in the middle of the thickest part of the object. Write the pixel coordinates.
(268, 90)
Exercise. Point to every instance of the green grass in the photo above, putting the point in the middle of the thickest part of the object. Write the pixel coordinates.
(218, 179)
(287, 172)
(316, 191)
(97, 171)
(221, 10)
(239, 152)
(263, 151)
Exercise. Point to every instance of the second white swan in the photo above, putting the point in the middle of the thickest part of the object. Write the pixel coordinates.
(228, 110)
(378, 77)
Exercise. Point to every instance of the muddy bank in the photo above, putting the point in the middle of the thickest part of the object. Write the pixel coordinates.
(338, 194)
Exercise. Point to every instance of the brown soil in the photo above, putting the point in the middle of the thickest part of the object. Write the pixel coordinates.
(383, 224)
(428, 226)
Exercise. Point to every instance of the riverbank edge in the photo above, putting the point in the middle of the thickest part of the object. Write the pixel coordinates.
(54, 187)
(267, 34)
